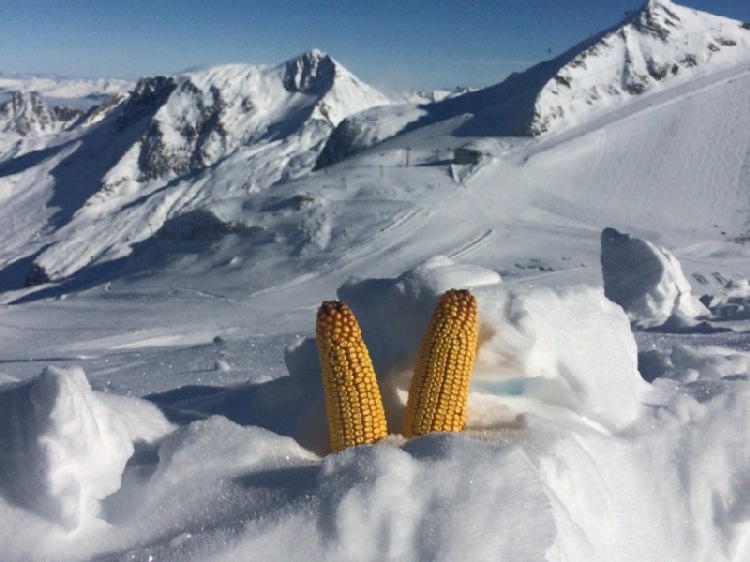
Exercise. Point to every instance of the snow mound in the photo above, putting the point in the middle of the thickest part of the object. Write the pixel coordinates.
(423, 501)
(63, 449)
(646, 280)
(566, 351)
(411, 299)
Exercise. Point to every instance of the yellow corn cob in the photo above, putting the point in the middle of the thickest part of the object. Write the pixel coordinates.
(353, 403)
(440, 386)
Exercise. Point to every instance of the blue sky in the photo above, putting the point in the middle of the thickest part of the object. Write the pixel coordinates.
(400, 44)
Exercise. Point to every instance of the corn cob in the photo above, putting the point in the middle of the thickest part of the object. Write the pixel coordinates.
(440, 386)
(353, 403)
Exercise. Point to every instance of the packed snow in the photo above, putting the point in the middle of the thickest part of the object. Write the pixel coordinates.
(647, 281)
(160, 392)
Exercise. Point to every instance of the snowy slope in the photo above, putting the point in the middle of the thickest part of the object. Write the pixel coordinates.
(587, 438)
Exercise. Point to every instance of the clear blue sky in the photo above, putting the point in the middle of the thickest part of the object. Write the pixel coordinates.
(388, 43)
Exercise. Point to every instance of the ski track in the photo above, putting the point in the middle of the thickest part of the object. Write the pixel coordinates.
(473, 245)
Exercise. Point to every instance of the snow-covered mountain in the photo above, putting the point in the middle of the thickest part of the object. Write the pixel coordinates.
(79, 93)
(157, 152)
(27, 114)
(656, 48)
(652, 50)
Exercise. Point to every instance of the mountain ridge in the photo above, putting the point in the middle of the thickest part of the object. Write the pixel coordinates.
(658, 46)
(154, 145)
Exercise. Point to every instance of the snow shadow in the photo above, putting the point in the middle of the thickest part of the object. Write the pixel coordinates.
(292, 406)
(16, 274)
(31, 159)
(194, 232)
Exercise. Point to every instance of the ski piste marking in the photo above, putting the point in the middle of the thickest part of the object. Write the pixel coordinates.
(474, 244)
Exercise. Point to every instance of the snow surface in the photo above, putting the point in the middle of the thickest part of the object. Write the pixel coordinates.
(163, 400)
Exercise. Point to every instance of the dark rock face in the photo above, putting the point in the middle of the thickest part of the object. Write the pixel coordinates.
(37, 276)
(157, 158)
(149, 95)
(340, 145)
(312, 73)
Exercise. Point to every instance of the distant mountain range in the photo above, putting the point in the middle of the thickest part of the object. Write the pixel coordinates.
(90, 184)
(78, 93)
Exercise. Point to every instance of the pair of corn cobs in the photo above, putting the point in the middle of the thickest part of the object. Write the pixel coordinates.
(439, 388)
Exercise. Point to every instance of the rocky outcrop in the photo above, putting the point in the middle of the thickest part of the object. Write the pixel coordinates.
(312, 73)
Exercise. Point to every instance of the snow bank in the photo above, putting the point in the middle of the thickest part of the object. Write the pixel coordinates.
(422, 502)
(62, 449)
(541, 349)
(569, 454)
(646, 280)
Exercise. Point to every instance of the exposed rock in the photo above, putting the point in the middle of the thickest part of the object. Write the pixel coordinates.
(341, 144)
(312, 73)
(37, 276)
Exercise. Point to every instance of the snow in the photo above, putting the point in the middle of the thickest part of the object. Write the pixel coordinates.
(63, 449)
(647, 281)
(79, 93)
(161, 398)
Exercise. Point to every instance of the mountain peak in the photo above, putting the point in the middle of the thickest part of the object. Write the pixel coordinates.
(660, 44)
(657, 18)
(26, 114)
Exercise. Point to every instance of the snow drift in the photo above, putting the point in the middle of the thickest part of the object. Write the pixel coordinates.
(647, 281)
(63, 450)
(565, 443)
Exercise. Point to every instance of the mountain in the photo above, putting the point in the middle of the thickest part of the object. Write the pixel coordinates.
(139, 160)
(655, 48)
(28, 115)
(79, 93)
(658, 47)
